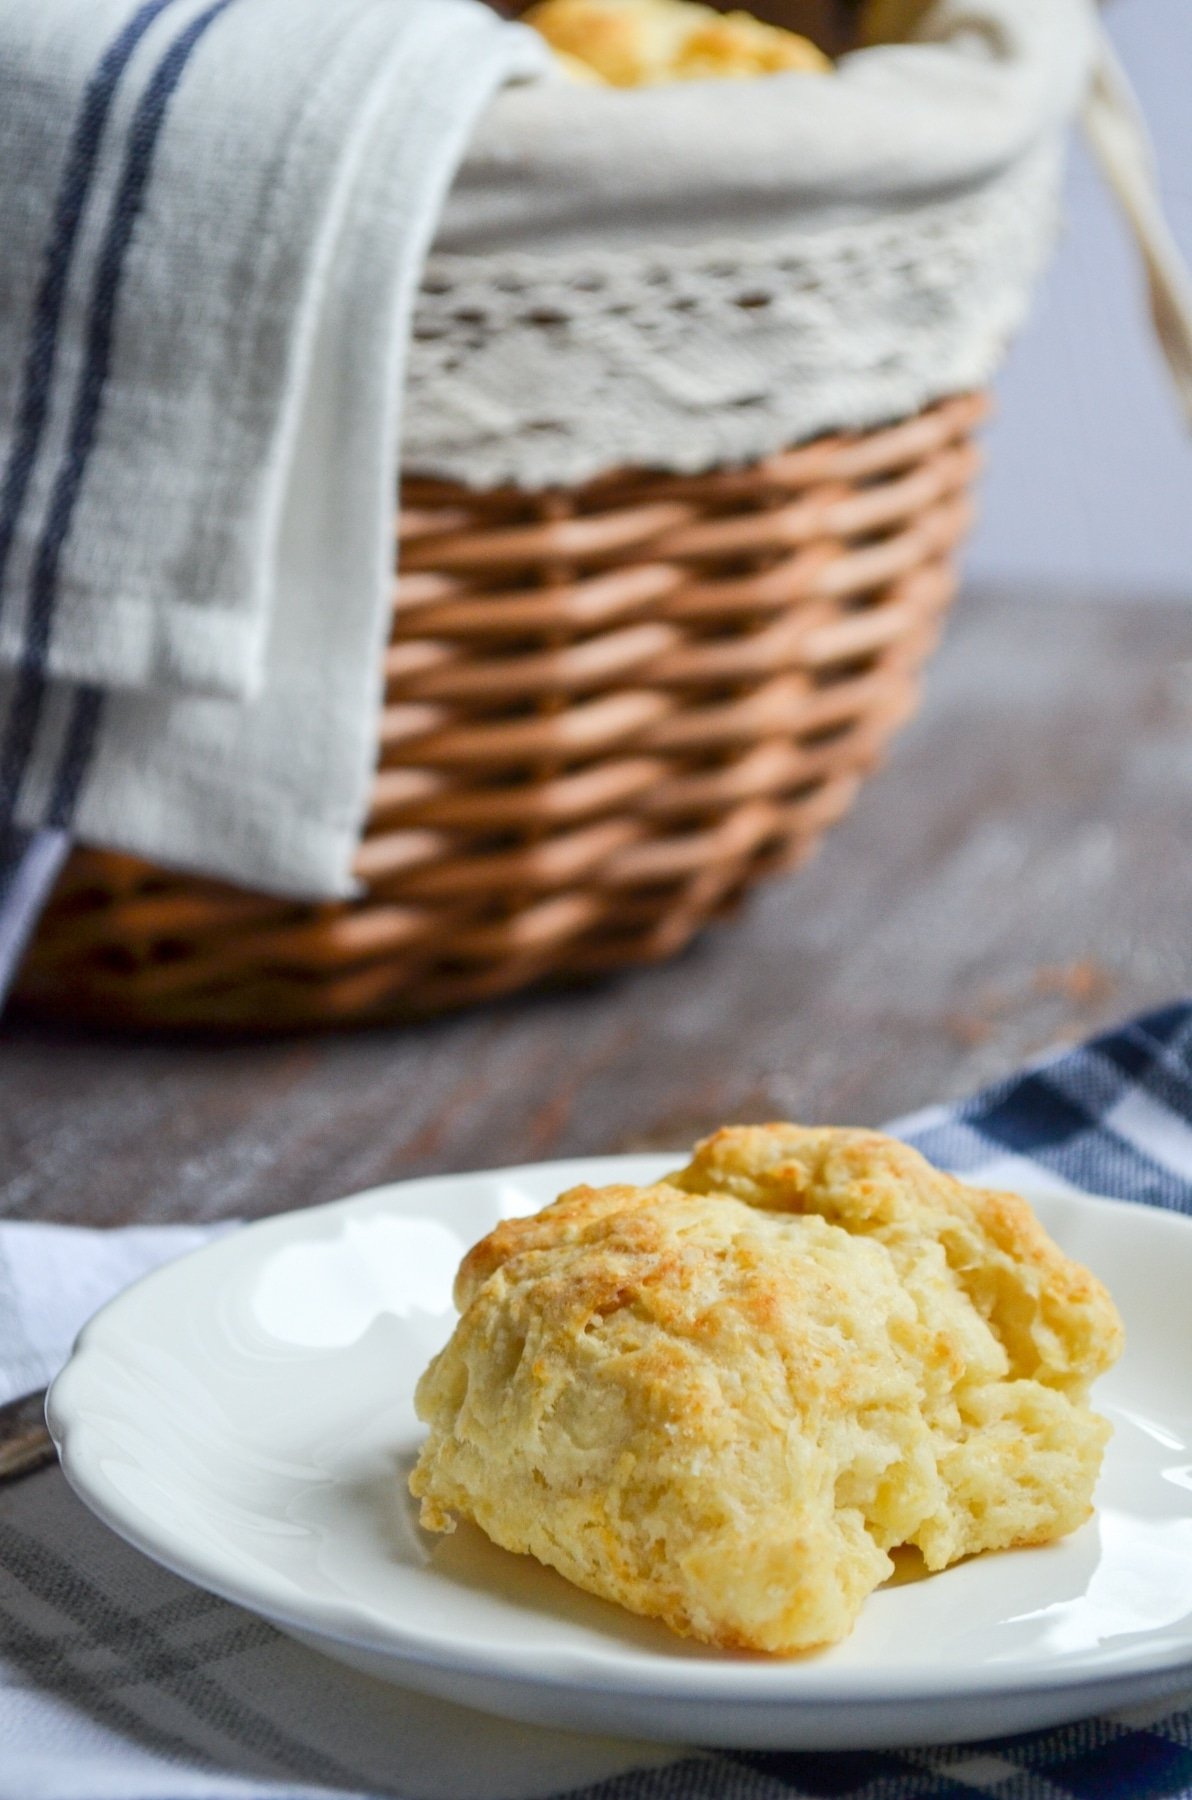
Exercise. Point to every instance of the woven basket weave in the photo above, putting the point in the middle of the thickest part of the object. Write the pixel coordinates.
(609, 711)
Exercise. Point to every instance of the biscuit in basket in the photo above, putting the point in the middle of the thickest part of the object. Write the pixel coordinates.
(723, 1400)
(639, 43)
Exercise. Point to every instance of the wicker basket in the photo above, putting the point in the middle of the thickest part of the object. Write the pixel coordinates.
(608, 712)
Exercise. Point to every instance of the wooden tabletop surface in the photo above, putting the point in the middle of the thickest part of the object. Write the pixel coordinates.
(1015, 876)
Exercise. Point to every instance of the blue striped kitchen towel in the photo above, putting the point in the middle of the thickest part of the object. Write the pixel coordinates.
(213, 219)
(118, 1680)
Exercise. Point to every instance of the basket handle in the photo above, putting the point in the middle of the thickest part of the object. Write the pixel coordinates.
(1117, 133)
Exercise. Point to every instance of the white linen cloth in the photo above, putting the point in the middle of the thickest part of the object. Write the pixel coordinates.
(214, 216)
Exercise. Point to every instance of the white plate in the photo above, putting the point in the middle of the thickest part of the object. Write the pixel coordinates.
(244, 1416)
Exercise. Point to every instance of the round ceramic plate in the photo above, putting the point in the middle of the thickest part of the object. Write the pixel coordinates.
(245, 1416)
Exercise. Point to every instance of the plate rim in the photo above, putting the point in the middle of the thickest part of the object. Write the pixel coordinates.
(741, 1682)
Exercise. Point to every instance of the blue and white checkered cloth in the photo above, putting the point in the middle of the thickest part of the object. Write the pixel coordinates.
(119, 1681)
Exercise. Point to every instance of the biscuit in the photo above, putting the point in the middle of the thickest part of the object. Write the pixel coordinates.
(640, 43)
(723, 1400)
(1054, 1319)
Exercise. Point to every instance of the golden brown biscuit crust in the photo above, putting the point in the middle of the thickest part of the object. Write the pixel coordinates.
(1054, 1317)
(723, 1400)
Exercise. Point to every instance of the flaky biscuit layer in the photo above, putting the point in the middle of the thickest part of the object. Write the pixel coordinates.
(723, 1400)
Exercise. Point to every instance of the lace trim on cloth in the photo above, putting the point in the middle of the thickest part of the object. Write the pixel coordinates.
(536, 370)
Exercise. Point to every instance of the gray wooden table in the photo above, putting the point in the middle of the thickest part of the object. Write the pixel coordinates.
(1016, 876)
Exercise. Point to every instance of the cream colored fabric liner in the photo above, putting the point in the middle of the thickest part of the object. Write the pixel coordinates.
(558, 168)
(702, 273)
